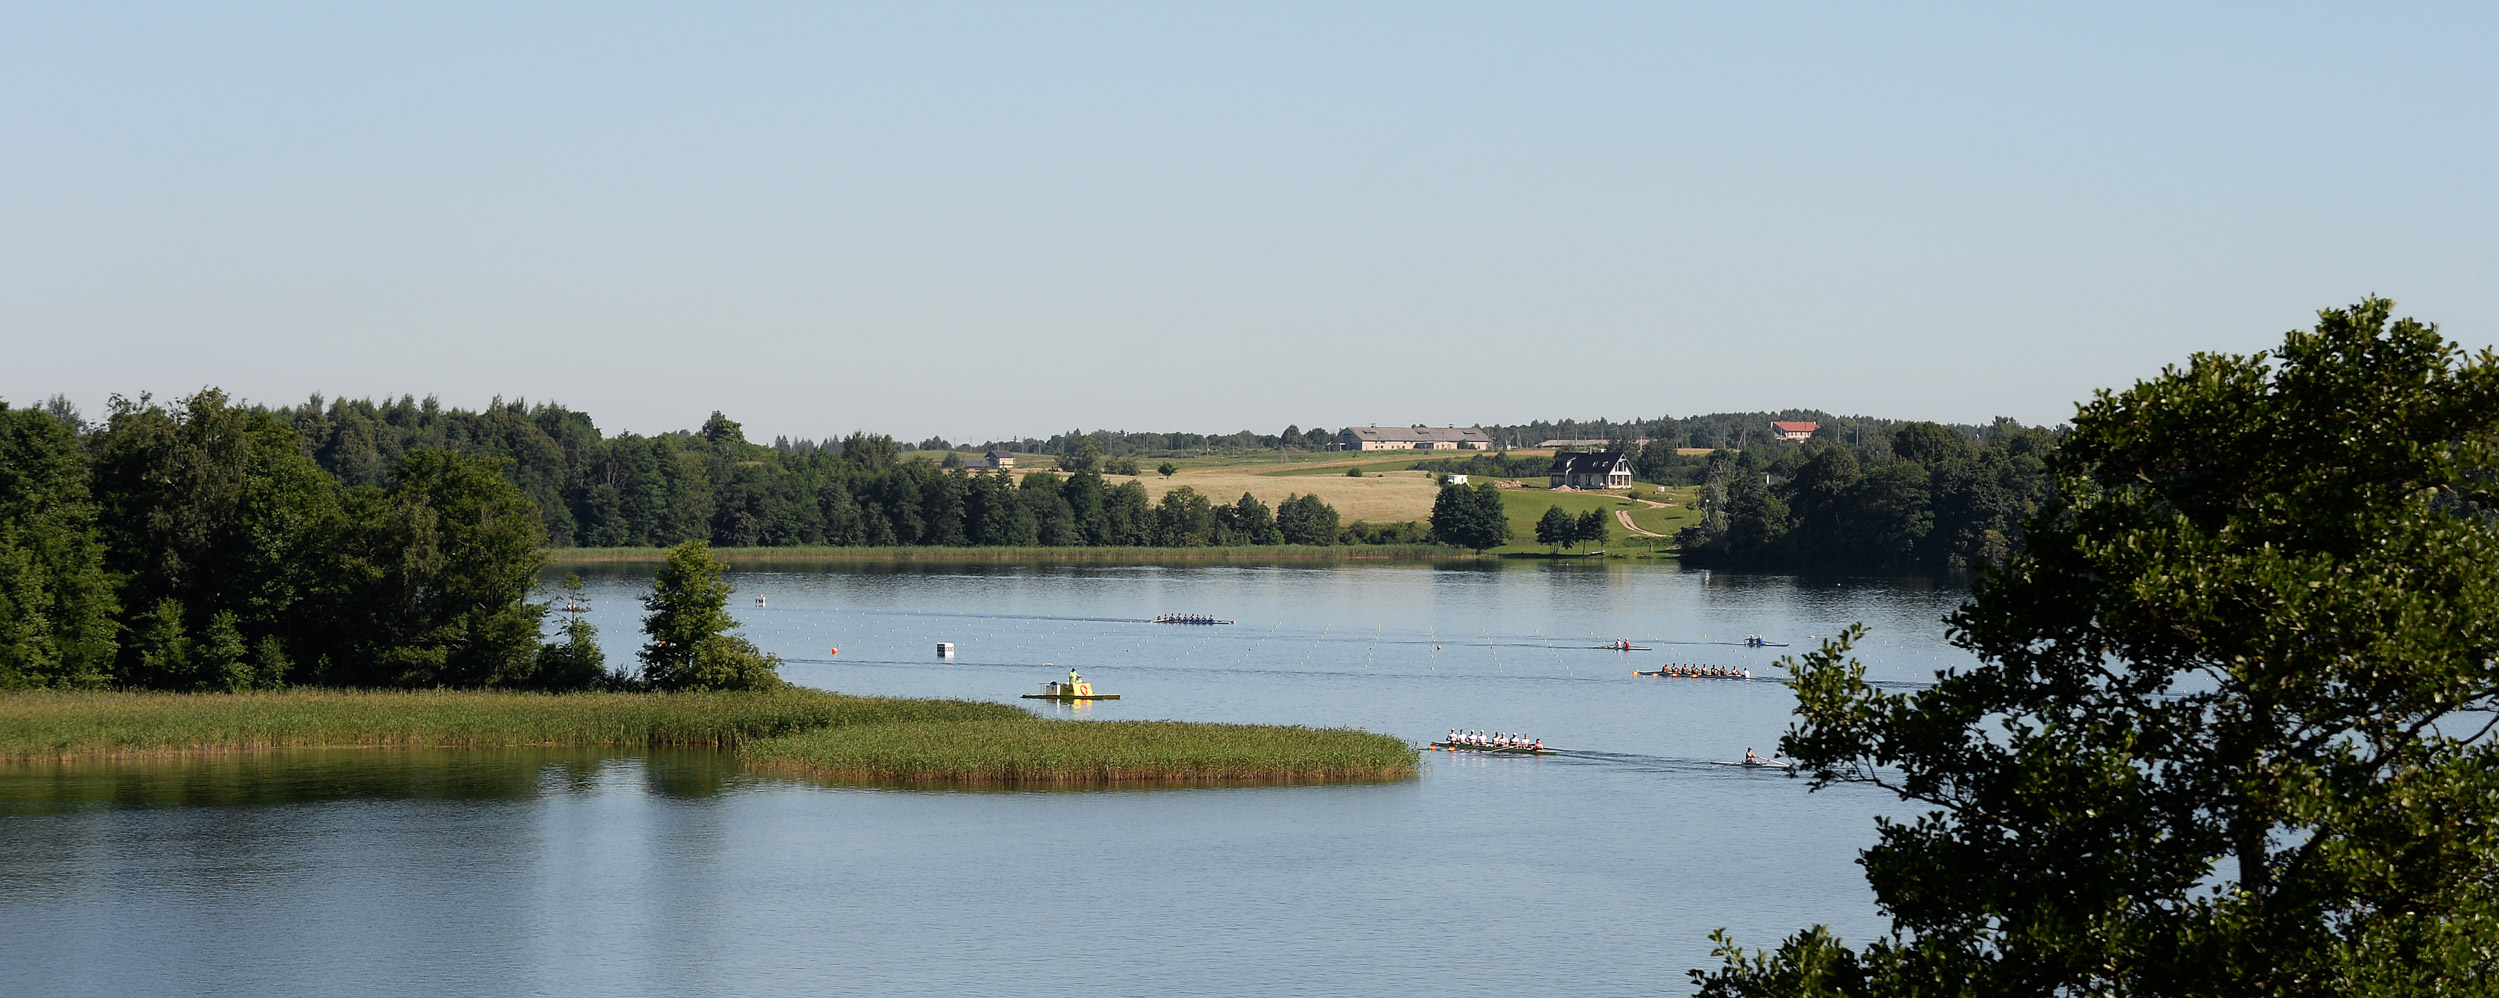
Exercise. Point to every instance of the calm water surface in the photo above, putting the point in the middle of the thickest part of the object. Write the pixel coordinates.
(599, 873)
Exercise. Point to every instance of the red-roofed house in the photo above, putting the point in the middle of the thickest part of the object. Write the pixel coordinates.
(1793, 431)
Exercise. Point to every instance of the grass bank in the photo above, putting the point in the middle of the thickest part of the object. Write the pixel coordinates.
(802, 732)
(1525, 506)
(1040, 753)
(1248, 554)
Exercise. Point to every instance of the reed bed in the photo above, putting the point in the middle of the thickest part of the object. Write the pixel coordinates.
(1032, 752)
(48, 725)
(1246, 554)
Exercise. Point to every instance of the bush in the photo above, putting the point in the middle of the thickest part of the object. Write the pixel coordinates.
(727, 662)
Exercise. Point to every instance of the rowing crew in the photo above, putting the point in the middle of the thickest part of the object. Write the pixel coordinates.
(1497, 739)
(1673, 671)
(1755, 641)
(1188, 618)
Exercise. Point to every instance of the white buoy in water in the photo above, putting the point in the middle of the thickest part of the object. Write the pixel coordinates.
(759, 602)
(945, 649)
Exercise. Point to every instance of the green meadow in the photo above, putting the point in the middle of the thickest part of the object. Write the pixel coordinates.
(1525, 506)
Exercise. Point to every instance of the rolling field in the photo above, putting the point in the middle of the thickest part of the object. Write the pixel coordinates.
(1526, 506)
(1385, 497)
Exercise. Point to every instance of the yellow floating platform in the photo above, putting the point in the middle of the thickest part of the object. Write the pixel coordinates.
(1069, 691)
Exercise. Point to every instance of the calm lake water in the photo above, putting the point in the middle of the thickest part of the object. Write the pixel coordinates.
(606, 873)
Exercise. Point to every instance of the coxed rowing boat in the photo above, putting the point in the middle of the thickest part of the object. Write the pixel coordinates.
(1188, 618)
(1697, 672)
(1494, 749)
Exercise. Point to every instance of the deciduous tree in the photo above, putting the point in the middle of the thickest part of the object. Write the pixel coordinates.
(2230, 730)
(1592, 527)
(688, 603)
(1470, 516)
(1556, 527)
(432, 579)
(56, 603)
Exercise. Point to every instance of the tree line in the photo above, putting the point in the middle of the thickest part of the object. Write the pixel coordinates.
(711, 484)
(1928, 498)
(200, 547)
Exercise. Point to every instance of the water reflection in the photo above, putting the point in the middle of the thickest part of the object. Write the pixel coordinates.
(265, 779)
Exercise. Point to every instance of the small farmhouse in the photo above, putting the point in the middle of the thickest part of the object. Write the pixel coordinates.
(1413, 438)
(1000, 458)
(1601, 470)
(1793, 431)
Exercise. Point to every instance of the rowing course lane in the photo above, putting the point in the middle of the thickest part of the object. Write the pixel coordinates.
(1538, 641)
(1622, 834)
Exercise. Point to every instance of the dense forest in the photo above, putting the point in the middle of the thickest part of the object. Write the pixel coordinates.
(199, 548)
(1923, 496)
(595, 490)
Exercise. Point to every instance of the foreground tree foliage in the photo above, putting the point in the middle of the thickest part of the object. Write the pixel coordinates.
(2231, 729)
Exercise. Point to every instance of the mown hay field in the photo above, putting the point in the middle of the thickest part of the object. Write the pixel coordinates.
(1379, 497)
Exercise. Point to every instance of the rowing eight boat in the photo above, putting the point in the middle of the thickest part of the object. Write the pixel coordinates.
(1494, 749)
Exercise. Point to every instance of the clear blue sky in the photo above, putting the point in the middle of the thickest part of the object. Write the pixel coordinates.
(983, 221)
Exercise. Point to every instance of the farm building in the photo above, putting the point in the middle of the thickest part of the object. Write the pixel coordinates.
(1793, 431)
(1413, 438)
(1601, 470)
(999, 459)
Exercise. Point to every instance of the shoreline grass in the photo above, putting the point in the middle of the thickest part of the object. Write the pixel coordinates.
(1244, 554)
(797, 732)
(1048, 754)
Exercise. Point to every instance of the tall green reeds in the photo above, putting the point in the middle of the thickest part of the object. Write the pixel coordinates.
(802, 732)
(1031, 752)
(70, 725)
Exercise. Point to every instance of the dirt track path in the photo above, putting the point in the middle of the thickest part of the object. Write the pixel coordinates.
(1625, 516)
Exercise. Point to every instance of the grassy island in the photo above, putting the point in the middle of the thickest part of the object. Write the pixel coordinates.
(1035, 752)
(799, 732)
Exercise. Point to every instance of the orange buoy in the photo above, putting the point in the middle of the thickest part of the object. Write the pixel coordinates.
(837, 651)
